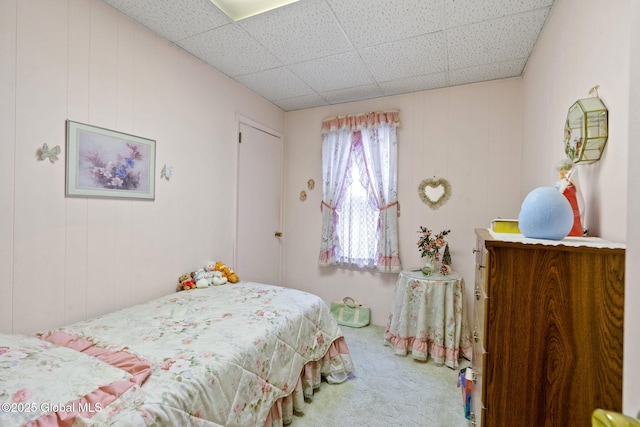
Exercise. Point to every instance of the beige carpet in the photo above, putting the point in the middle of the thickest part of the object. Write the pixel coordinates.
(386, 390)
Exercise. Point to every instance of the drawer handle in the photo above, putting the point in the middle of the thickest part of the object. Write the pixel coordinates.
(481, 266)
(477, 294)
(476, 250)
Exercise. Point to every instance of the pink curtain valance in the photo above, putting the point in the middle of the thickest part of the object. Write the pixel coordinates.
(358, 121)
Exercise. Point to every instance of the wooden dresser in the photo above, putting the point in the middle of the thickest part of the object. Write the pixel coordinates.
(548, 330)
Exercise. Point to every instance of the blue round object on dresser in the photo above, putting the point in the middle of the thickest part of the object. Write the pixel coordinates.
(545, 214)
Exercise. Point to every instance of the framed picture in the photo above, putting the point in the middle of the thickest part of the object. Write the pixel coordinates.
(106, 163)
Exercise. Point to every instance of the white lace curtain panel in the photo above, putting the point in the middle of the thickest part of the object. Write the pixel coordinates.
(362, 147)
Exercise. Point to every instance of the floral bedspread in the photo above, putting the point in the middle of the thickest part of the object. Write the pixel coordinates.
(220, 356)
(45, 384)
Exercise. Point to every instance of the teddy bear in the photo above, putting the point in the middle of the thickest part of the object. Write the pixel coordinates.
(186, 282)
(231, 276)
(218, 279)
(200, 278)
(209, 269)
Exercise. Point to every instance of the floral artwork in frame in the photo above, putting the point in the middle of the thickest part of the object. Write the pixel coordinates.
(107, 163)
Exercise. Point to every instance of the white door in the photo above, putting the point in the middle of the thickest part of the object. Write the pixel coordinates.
(259, 239)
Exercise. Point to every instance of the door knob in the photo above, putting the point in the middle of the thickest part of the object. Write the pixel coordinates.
(278, 233)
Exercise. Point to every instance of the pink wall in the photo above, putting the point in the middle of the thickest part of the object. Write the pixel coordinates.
(469, 135)
(587, 43)
(66, 259)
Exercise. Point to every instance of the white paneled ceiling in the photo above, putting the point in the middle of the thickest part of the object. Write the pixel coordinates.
(320, 52)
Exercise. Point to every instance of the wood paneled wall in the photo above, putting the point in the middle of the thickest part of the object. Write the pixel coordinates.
(66, 259)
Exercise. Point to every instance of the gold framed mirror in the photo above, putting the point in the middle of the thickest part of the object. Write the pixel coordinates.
(586, 130)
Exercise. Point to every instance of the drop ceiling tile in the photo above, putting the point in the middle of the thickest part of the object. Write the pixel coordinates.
(275, 84)
(414, 84)
(497, 40)
(298, 32)
(463, 12)
(333, 72)
(173, 19)
(406, 58)
(231, 51)
(301, 102)
(313, 51)
(373, 22)
(487, 72)
(352, 94)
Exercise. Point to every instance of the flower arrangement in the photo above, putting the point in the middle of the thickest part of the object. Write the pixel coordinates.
(117, 174)
(430, 244)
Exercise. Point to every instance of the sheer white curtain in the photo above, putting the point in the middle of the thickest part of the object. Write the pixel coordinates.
(360, 207)
(336, 150)
(380, 146)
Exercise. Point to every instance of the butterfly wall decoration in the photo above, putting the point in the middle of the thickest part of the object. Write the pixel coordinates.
(51, 154)
(166, 172)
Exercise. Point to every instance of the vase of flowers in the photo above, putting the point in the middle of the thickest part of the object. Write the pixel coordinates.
(429, 245)
(429, 266)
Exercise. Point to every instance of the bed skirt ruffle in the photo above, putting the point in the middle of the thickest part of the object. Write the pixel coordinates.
(86, 405)
(336, 366)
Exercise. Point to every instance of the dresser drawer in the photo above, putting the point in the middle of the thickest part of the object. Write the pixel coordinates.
(479, 397)
(482, 265)
(480, 302)
(477, 338)
(479, 361)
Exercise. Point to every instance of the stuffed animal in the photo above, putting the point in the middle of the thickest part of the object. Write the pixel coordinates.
(233, 276)
(227, 272)
(209, 269)
(200, 278)
(218, 279)
(186, 282)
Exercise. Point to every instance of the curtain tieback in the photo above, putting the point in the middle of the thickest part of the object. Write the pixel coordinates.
(323, 204)
(391, 204)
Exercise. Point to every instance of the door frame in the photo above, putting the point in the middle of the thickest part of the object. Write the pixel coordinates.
(241, 119)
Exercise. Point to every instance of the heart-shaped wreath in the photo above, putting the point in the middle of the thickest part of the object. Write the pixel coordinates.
(434, 192)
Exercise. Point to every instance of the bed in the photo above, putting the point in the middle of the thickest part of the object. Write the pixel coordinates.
(243, 354)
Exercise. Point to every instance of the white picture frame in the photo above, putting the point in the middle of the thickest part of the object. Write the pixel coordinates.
(106, 163)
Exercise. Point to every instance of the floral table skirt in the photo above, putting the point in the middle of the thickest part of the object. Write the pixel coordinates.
(427, 318)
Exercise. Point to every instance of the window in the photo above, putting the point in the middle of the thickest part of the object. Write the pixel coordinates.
(360, 208)
(357, 219)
